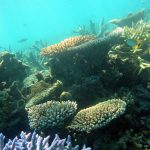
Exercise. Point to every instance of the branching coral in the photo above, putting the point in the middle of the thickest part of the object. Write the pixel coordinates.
(65, 44)
(50, 114)
(135, 49)
(97, 116)
(36, 142)
(140, 32)
(46, 94)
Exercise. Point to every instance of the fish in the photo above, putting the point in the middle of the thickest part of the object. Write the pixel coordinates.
(131, 42)
(134, 43)
(22, 40)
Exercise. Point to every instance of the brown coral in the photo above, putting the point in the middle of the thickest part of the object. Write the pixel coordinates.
(65, 44)
(97, 116)
(50, 114)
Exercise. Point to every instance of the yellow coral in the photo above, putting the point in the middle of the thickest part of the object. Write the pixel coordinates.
(97, 116)
(139, 32)
(50, 114)
(67, 43)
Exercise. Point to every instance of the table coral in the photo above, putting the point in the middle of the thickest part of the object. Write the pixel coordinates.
(130, 19)
(65, 44)
(97, 116)
(50, 114)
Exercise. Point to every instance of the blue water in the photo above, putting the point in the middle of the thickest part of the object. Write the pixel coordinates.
(54, 20)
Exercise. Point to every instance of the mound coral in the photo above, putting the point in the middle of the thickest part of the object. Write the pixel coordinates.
(35, 142)
(50, 114)
(97, 116)
(67, 43)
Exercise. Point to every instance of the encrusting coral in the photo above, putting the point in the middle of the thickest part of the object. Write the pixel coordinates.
(65, 44)
(50, 114)
(97, 116)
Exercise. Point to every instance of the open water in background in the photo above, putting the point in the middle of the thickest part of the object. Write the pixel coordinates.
(54, 20)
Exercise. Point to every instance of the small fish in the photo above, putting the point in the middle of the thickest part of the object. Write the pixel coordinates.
(131, 42)
(22, 40)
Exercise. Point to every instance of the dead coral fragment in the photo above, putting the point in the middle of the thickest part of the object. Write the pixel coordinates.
(67, 43)
(97, 116)
(50, 114)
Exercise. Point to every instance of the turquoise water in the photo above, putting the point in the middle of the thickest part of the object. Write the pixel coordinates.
(54, 20)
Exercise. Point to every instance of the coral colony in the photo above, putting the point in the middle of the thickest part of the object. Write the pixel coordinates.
(35, 142)
(81, 85)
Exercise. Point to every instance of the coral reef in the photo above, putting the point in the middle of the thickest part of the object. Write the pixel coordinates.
(44, 94)
(66, 44)
(130, 19)
(11, 69)
(139, 32)
(50, 114)
(84, 30)
(65, 96)
(132, 58)
(11, 108)
(97, 116)
(36, 142)
(107, 75)
(81, 61)
(32, 57)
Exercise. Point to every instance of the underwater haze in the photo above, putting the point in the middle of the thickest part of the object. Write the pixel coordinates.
(22, 22)
(76, 72)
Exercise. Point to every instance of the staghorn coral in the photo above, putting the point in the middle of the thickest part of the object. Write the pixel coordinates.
(36, 142)
(50, 114)
(65, 44)
(97, 116)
